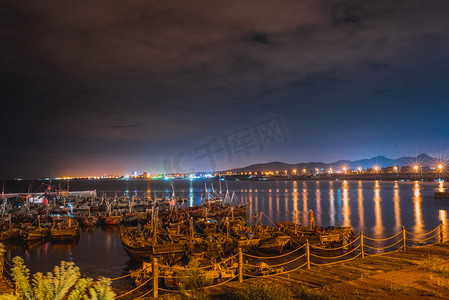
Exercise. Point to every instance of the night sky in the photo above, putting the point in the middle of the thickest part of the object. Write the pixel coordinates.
(108, 87)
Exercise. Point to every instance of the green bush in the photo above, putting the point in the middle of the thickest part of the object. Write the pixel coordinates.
(64, 283)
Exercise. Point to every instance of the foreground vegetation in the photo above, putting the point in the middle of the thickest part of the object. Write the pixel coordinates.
(64, 283)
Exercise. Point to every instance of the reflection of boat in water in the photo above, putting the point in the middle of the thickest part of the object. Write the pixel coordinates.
(63, 246)
(34, 244)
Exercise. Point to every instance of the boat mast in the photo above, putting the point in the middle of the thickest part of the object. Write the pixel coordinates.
(191, 228)
(155, 229)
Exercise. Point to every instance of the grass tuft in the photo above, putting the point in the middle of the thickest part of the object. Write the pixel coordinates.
(259, 291)
(435, 265)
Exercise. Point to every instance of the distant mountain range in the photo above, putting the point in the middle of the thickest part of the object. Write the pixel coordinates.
(381, 161)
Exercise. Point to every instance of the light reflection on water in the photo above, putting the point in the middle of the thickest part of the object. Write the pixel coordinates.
(378, 208)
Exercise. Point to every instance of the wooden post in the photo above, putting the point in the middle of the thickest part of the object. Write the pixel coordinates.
(441, 231)
(308, 254)
(240, 265)
(155, 278)
(361, 244)
(404, 247)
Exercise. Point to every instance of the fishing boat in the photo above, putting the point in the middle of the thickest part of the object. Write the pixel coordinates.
(8, 234)
(8, 231)
(89, 220)
(325, 237)
(38, 232)
(65, 230)
(34, 234)
(112, 220)
(140, 246)
(274, 243)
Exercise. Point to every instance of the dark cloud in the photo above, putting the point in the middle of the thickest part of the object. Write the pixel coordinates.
(144, 79)
(259, 37)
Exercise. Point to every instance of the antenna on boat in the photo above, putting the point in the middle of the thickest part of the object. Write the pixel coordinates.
(155, 229)
(173, 190)
(191, 228)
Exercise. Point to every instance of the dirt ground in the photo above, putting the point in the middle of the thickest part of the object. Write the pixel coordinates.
(429, 279)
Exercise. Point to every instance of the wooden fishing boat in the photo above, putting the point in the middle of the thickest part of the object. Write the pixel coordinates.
(34, 234)
(141, 247)
(8, 231)
(9, 234)
(274, 244)
(65, 230)
(112, 220)
(90, 220)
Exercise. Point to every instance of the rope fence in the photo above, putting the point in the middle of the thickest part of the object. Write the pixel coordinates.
(234, 267)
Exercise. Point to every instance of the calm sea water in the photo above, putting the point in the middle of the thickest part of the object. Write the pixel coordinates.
(380, 209)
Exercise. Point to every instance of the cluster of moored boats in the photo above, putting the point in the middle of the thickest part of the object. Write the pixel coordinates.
(206, 237)
(59, 217)
(165, 228)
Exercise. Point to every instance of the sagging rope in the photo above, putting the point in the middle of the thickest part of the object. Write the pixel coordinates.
(385, 239)
(120, 277)
(335, 257)
(411, 233)
(6, 270)
(7, 280)
(143, 295)
(278, 265)
(382, 248)
(134, 289)
(272, 257)
(426, 239)
(7, 262)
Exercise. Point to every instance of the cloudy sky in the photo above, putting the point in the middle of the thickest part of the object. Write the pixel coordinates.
(108, 87)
